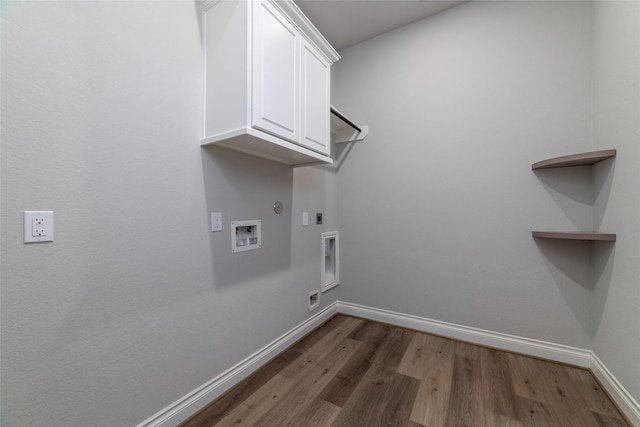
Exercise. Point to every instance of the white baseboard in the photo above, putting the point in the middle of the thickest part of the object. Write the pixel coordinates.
(183, 408)
(627, 404)
(188, 405)
(546, 350)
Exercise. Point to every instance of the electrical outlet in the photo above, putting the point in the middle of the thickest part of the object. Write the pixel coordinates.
(314, 299)
(38, 226)
(319, 218)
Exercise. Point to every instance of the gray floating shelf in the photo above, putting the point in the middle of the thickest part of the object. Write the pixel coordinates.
(582, 159)
(565, 235)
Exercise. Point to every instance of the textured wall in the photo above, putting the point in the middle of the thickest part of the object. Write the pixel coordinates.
(616, 268)
(136, 303)
(437, 205)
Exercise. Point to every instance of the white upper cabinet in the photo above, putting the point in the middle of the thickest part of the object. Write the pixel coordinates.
(316, 76)
(267, 81)
(276, 73)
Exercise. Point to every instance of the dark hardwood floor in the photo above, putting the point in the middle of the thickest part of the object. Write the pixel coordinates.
(355, 372)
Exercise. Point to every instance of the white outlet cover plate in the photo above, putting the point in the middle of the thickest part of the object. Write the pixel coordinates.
(216, 221)
(45, 229)
(316, 304)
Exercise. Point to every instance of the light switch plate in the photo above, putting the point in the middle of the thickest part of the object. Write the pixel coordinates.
(216, 221)
(38, 226)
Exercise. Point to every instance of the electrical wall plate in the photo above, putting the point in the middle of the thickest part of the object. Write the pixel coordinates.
(38, 226)
(277, 207)
(246, 235)
(313, 299)
(216, 221)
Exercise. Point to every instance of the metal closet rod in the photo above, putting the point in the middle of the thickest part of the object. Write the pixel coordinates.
(339, 115)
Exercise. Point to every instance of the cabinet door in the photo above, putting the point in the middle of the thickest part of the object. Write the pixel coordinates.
(276, 83)
(315, 87)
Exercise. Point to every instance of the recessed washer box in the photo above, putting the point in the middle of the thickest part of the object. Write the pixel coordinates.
(330, 261)
(245, 235)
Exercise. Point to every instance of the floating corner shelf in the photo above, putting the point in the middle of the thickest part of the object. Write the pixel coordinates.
(566, 235)
(344, 129)
(581, 159)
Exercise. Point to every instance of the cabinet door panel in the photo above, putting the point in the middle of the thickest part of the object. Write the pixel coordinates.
(315, 101)
(275, 74)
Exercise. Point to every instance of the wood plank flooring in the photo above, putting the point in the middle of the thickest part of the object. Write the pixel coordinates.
(354, 372)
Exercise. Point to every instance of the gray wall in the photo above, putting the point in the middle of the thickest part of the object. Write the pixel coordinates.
(136, 303)
(617, 124)
(437, 206)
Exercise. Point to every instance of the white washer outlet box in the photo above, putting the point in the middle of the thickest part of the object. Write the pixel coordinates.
(246, 235)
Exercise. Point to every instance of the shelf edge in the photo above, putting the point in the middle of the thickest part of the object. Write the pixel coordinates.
(566, 235)
(580, 159)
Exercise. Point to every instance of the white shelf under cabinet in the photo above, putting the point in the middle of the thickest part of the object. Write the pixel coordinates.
(254, 142)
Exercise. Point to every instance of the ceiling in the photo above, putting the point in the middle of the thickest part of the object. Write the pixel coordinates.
(347, 22)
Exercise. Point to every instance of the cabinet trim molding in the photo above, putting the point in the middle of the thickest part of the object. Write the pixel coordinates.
(299, 19)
